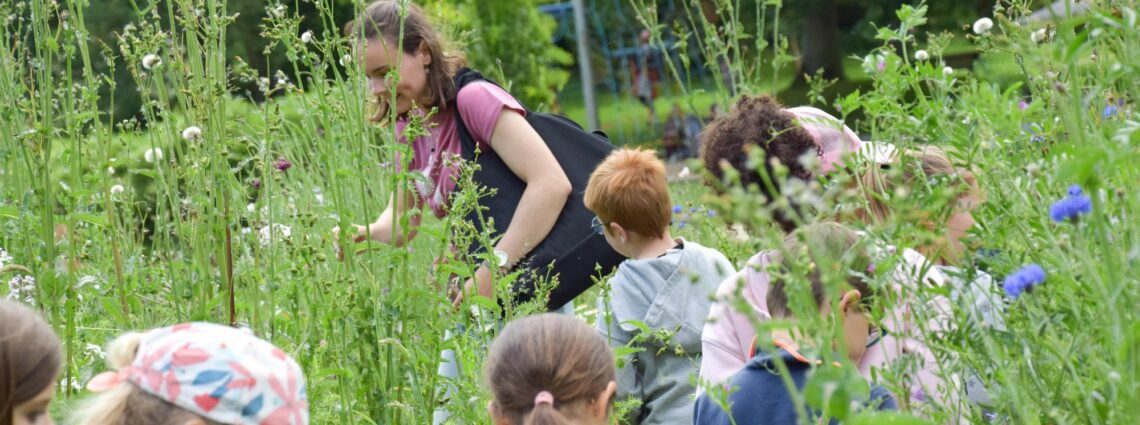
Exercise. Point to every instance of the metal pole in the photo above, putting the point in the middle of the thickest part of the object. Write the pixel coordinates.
(584, 67)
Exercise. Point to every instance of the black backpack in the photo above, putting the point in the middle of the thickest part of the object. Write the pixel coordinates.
(572, 250)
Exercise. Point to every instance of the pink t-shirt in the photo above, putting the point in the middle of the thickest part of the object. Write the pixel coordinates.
(437, 154)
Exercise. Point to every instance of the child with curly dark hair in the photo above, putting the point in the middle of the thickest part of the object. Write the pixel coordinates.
(786, 135)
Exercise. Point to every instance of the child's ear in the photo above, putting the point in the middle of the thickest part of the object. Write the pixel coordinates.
(850, 299)
(619, 232)
(497, 417)
(601, 406)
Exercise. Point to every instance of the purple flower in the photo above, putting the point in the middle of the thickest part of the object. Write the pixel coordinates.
(693, 209)
(1109, 111)
(282, 164)
(712, 213)
(256, 184)
(677, 209)
(1071, 206)
(871, 268)
(1023, 280)
(882, 66)
(1022, 105)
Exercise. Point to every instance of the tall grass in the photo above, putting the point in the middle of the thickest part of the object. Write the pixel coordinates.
(218, 228)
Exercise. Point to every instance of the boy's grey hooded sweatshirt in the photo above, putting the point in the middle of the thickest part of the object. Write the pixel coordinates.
(661, 304)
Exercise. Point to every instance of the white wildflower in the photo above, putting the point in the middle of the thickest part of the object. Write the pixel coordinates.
(111, 170)
(5, 258)
(947, 71)
(153, 154)
(983, 26)
(307, 37)
(21, 287)
(95, 350)
(1039, 36)
(276, 11)
(684, 173)
(151, 61)
(273, 233)
(192, 133)
(921, 55)
(117, 189)
(345, 60)
(251, 208)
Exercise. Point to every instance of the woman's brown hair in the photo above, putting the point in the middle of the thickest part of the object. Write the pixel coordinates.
(549, 352)
(29, 357)
(758, 122)
(381, 22)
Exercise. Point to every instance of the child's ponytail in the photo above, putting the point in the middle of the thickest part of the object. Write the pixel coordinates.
(548, 369)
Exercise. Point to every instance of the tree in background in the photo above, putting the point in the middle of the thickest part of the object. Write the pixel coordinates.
(509, 39)
(514, 42)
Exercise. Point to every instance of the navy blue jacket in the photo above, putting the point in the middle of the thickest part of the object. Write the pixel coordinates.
(762, 399)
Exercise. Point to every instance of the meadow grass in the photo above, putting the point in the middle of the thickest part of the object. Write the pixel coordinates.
(233, 226)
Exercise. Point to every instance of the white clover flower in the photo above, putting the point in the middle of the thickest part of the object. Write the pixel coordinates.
(117, 189)
(983, 26)
(192, 133)
(111, 170)
(921, 55)
(1039, 36)
(151, 61)
(947, 71)
(153, 154)
(307, 37)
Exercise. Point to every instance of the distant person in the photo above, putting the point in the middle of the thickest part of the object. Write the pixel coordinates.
(643, 88)
(673, 140)
(550, 369)
(758, 392)
(666, 285)
(30, 358)
(196, 374)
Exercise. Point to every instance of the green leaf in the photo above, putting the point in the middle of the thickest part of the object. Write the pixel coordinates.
(97, 220)
(887, 418)
(9, 211)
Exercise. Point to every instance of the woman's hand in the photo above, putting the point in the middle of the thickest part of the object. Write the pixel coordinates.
(482, 283)
(359, 236)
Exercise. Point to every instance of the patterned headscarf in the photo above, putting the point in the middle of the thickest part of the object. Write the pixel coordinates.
(833, 138)
(218, 372)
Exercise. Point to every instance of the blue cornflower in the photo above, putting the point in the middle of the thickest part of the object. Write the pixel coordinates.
(1071, 206)
(712, 213)
(693, 209)
(1075, 190)
(1023, 280)
(1109, 111)
(677, 209)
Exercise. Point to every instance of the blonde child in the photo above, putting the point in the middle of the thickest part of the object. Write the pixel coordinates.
(196, 374)
(761, 395)
(29, 362)
(550, 369)
(666, 284)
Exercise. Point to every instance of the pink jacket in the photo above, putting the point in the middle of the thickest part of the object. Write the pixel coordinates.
(728, 334)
